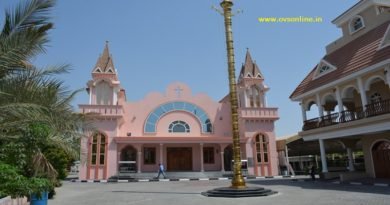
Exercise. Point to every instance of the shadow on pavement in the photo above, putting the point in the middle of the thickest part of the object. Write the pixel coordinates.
(321, 185)
(154, 192)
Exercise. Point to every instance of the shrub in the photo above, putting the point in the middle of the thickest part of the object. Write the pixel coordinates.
(14, 184)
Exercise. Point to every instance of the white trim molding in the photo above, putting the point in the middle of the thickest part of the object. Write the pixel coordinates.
(386, 39)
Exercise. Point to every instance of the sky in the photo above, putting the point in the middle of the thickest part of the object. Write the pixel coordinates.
(155, 43)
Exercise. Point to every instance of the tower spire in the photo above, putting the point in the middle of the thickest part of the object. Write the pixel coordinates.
(105, 62)
(250, 69)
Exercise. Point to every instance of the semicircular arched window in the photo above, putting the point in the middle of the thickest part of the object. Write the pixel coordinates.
(196, 111)
(179, 127)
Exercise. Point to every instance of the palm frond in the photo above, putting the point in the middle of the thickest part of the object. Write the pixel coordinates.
(42, 167)
(24, 34)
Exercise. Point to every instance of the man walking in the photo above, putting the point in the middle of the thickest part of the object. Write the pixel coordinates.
(161, 171)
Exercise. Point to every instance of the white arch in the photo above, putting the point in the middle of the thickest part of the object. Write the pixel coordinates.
(341, 143)
(309, 104)
(372, 146)
(369, 81)
(345, 89)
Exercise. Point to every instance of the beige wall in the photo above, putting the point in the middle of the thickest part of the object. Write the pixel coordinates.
(371, 20)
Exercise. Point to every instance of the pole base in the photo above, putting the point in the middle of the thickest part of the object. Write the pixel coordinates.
(229, 192)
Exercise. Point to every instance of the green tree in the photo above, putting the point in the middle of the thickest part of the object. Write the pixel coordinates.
(35, 109)
(24, 34)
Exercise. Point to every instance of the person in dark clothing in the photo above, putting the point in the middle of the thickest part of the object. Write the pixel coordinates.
(161, 171)
(313, 172)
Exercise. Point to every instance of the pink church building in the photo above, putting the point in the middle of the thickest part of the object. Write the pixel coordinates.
(183, 131)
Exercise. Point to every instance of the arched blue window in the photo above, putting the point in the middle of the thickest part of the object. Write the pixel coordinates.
(156, 114)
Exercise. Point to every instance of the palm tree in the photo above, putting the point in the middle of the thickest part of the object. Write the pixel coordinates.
(24, 34)
(48, 104)
(30, 96)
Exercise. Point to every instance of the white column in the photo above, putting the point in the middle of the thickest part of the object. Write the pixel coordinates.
(319, 105)
(161, 153)
(287, 160)
(246, 98)
(362, 92)
(201, 158)
(90, 95)
(115, 95)
(350, 160)
(304, 116)
(139, 161)
(265, 100)
(300, 163)
(339, 99)
(222, 162)
(323, 156)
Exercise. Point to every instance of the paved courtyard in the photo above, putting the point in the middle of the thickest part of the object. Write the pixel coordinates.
(188, 192)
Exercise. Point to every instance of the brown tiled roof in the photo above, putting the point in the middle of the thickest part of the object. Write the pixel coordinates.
(249, 67)
(105, 61)
(354, 56)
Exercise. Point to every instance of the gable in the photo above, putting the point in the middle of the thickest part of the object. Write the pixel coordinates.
(386, 39)
(323, 68)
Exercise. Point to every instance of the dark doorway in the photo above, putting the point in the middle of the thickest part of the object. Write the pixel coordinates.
(128, 160)
(228, 157)
(179, 159)
(381, 158)
(128, 154)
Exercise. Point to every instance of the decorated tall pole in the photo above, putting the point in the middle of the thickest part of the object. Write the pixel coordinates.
(237, 181)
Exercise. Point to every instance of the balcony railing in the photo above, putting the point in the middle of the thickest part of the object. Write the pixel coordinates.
(102, 110)
(259, 113)
(373, 109)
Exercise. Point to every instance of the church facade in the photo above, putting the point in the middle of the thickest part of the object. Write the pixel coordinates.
(181, 130)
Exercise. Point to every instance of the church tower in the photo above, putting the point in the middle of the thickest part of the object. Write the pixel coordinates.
(251, 87)
(104, 87)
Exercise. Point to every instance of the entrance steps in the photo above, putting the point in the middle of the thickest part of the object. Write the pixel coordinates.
(173, 175)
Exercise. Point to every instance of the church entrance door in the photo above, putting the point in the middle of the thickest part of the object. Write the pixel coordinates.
(179, 159)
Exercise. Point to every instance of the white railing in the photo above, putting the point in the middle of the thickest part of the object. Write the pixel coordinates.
(105, 110)
(9, 201)
(259, 113)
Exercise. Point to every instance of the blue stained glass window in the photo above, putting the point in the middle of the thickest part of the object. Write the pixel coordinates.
(179, 105)
(168, 107)
(159, 111)
(200, 114)
(150, 127)
(153, 118)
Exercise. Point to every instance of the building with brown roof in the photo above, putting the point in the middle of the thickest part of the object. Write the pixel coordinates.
(350, 86)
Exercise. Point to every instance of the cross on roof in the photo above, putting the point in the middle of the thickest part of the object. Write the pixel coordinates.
(178, 91)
